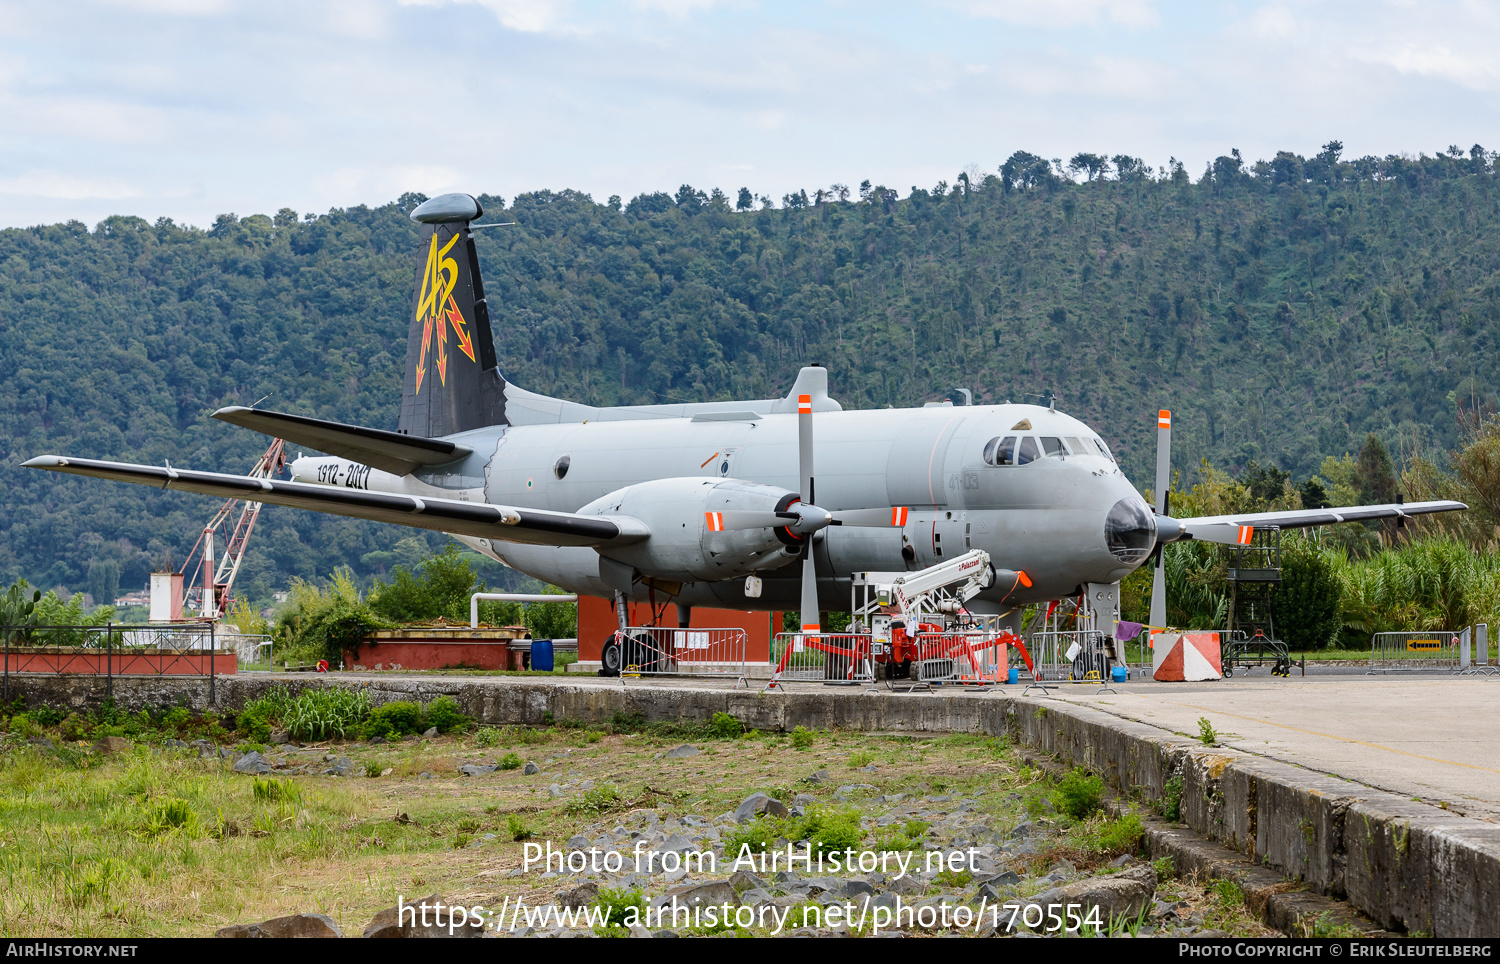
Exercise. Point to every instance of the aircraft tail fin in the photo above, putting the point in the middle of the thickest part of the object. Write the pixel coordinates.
(452, 383)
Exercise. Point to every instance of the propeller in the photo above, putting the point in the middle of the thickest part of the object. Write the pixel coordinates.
(809, 608)
(1169, 529)
(803, 518)
(1163, 496)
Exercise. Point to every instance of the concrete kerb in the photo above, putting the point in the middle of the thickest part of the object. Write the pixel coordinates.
(1407, 865)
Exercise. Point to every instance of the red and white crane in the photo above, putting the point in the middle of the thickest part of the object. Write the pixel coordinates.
(232, 526)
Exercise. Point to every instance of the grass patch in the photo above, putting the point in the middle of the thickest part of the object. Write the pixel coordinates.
(1110, 837)
(825, 830)
(1170, 805)
(620, 907)
(725, 727)
(1077, 794)
(593, 802)
(160, 842)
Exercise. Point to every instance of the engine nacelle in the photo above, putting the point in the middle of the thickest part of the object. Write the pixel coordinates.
(685, 546)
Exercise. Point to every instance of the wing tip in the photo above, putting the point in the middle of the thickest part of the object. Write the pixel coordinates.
(45, 462)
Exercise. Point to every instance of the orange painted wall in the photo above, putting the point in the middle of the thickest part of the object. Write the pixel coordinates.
(597, 620)
(96, 663)
(429, 654)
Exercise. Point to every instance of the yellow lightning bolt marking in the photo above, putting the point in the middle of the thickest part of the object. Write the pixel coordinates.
(438, 310)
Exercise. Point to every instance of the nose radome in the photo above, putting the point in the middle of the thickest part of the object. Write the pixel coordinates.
(1130, 531)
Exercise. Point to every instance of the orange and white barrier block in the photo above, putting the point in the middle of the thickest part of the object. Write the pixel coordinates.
(1186, 657)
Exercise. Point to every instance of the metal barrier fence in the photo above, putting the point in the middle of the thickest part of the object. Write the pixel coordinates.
(661, 651)
(1069, 656)
(1239, 648)
(110, 650)
(1481, 663)
(970, 658)
(832, 658)
(1431, 650)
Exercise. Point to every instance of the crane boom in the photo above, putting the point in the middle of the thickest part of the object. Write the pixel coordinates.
(237, 539)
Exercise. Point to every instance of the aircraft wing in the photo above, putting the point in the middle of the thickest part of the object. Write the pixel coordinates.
(1307, 518)
(486, 521)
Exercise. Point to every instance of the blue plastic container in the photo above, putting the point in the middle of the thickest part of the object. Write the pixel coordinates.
(541, 655)
(1119, 673)
(1014, 676)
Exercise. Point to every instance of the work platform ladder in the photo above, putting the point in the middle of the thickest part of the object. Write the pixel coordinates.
(1253, 573)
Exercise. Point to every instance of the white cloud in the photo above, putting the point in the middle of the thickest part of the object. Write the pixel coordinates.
(526, 16)
(1063, 13)
(1480, 72)
(352, 185)
(679, 8)
(337, 102)
(179, 8)
(361, 19)
(53, 184)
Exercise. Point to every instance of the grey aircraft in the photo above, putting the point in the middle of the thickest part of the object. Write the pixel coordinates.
(717, 503)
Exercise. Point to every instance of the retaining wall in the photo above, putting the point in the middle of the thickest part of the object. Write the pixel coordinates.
(1407, 865)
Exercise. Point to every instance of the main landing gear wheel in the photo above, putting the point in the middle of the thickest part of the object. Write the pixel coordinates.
(609, 659)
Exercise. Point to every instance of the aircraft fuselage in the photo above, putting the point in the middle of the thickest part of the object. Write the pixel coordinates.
(1046, 517)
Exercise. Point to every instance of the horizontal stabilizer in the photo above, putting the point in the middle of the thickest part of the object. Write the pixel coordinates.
(485, 521)
(387, 451)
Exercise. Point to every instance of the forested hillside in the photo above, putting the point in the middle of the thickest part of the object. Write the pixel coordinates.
(1282, 309)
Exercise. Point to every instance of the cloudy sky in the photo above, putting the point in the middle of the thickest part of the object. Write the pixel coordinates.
(191, 108)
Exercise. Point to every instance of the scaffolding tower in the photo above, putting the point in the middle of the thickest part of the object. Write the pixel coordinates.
(1253, 573)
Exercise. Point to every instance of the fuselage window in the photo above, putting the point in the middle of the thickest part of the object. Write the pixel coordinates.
(1000, 451)
(1028, 451)
(561, 468)
(1053, 446)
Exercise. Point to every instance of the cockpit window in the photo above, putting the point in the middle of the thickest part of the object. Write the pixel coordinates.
(1076, 446)
(1053, 446)
(1028, 451)
(1000, 451)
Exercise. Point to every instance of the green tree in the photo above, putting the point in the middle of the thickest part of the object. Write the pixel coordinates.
(440, 587)
(1307, 600)
(104, 581)
(1374, 474)
(1091, 165)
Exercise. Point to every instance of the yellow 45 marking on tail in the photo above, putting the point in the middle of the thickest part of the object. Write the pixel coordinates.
(438, 310)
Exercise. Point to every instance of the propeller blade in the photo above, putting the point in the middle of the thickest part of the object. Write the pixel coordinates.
(1159, 591)
(1225, 534)
(811, 620)
(873, 518)
(750, 519)
(805, 447)
(1163, 497)
(1163, 462)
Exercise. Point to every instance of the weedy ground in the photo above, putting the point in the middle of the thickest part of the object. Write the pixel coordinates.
(160, 841)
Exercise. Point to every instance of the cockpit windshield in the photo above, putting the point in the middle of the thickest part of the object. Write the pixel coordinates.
(1019, 450)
